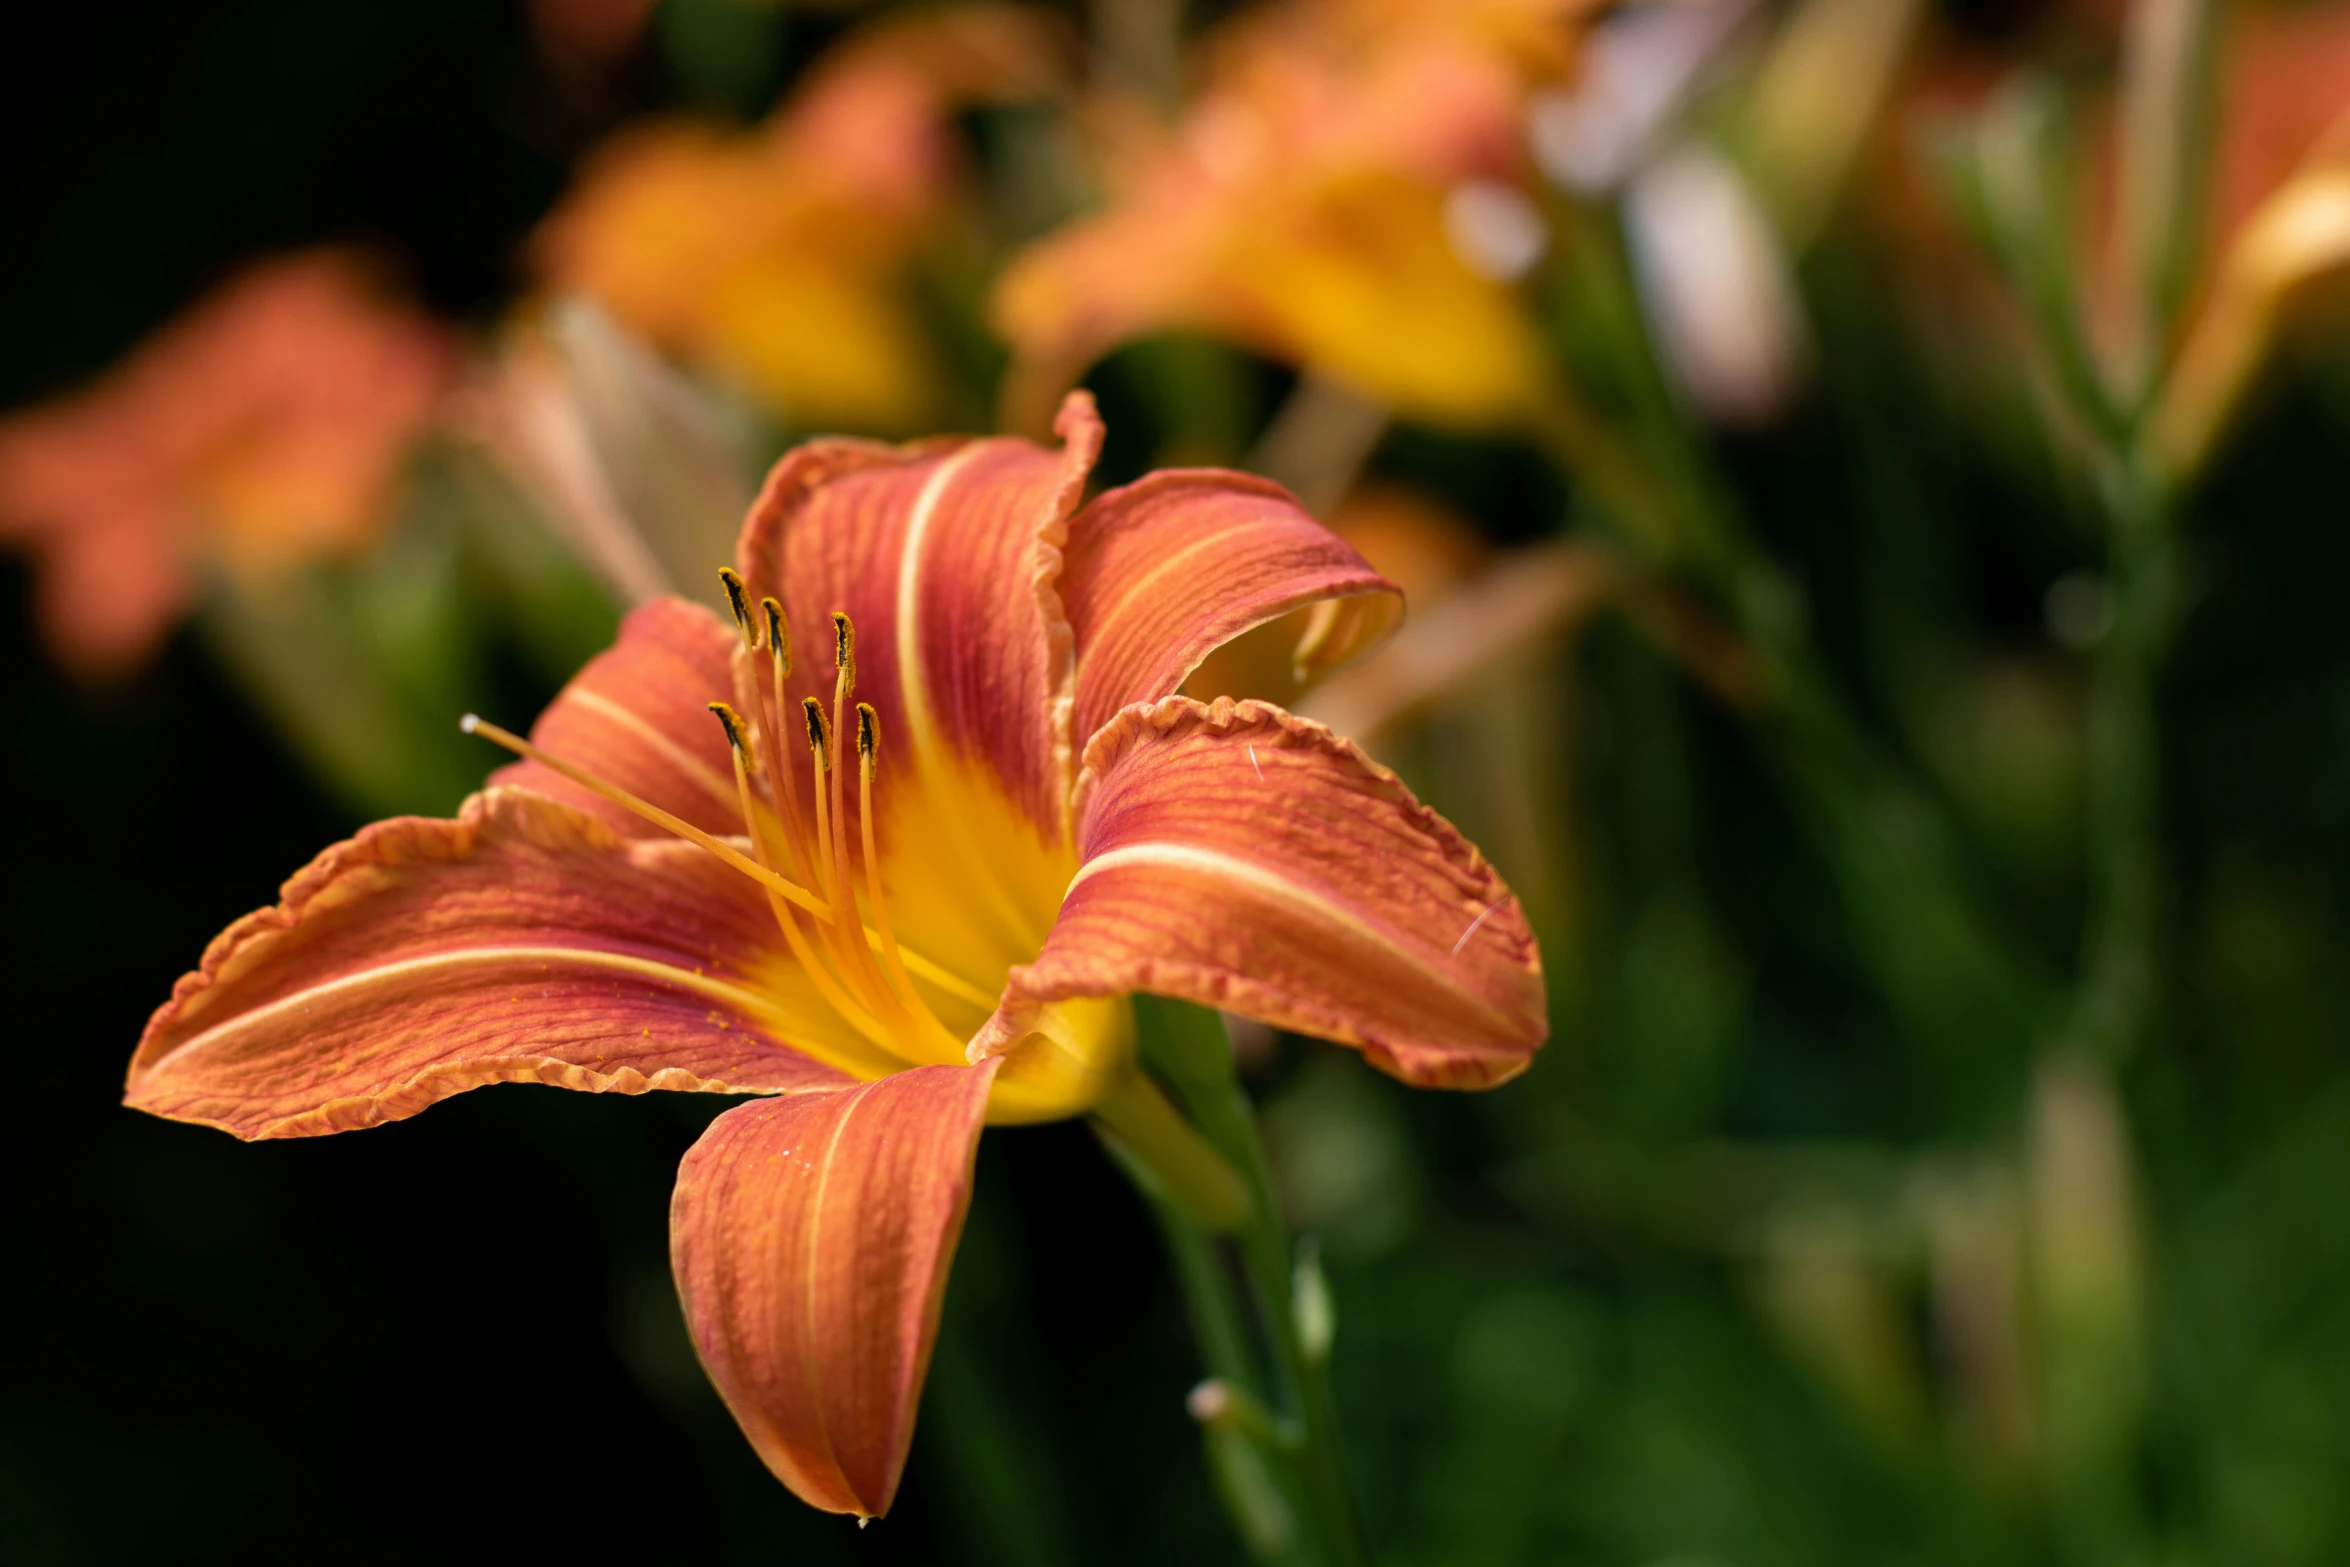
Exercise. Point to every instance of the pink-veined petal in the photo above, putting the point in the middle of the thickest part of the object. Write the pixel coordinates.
(637, 715)
(811, 1237)
(1163, 571)
(945, 556)
(520, 942)
(1240, 857)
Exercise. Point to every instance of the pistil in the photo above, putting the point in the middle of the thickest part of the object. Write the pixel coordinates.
(473, 724)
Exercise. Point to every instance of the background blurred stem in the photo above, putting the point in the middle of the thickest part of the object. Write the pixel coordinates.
(1899, 859)
(2168, 91)
(1188, 1047)
(1319, 440)
(2166, 114)
(2116, 991)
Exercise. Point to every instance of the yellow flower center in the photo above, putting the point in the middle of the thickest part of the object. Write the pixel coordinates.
(812, 867)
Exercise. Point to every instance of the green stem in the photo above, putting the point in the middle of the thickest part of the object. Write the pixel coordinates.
(1208, 1297)
(1262, 1507)
(1188, 1046)
(2117, 986)
(1162, 1146)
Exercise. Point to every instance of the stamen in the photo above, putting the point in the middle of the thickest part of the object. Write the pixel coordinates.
(778, 635)
(815, 711)
(868, 742)
(738, 600)
(832, 826)
(904, 959)
(473, 725)
(829, 988)
(780, 775)
(731, 721)
(821, 761)
(836, 833)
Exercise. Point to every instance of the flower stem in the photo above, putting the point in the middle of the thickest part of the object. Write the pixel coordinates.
(1162, 1149)
(1188, 1047)
(2117, 985)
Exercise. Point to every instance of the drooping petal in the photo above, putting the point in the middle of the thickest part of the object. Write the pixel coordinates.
(637, 715)
(810, 1237)
(1163, 571)
(521, 942)
(1240, 857)
(946, 559)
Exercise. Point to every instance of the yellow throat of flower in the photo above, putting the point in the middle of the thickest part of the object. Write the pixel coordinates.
(813, 865)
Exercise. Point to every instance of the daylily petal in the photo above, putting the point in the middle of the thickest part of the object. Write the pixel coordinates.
(1240, 857)
(521, 942)
(811, 1237)
(945, 557)
(636, 716)
(1139, 557)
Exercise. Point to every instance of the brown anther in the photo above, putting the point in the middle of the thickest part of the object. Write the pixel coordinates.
(778, 633)
(732, 722)
(738, 600)
(868, 734)
(815, 711)
(844, 646)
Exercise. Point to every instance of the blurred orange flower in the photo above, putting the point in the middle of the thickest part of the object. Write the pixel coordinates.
(1342, 194)
(777, 257)
(261, 429)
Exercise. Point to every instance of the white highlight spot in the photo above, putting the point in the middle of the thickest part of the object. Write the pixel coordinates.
(1497, 233)
(1253, 762)
(469, 723)
(1715, 282)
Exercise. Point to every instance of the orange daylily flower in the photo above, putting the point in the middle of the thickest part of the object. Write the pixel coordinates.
(1300, 210)
(900, 887)
(1413, 541)
(779, 257)
(261, 429)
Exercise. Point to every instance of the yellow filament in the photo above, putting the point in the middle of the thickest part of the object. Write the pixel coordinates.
(818, 765)
(852, 984)
(840, 886)
(650, 812)
(826, 986)
(868, 737)
(780, 776)
(845, 950)
(844, 683)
